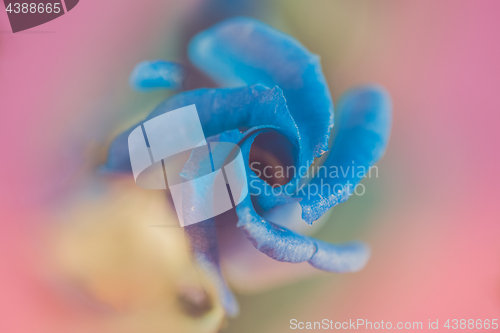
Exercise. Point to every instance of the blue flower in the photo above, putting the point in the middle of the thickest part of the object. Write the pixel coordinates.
(276, 88)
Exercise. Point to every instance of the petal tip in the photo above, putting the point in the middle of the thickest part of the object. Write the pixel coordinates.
(343, 258)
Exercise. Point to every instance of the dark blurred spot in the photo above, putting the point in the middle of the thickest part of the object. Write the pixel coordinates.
(194, 301)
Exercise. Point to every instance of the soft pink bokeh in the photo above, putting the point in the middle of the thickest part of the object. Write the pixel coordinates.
(436, 240)
(63, 86)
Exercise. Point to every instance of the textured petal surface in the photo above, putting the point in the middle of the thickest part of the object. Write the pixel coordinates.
(343, 258)
(219, 110)
(241, 51)
(363, 135)
(277, 242)
(285, 245)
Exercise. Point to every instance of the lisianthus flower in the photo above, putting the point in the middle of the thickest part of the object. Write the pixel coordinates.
(274, 102)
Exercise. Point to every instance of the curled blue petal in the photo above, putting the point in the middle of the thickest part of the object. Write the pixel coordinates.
(343, 258)
(241, 108)
(285, 245)
(271, 239)
(241, 51)
(158, 74)
(363, 135)
(219, 110)
(277, 242)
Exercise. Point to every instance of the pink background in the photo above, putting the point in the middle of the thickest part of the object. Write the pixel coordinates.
(434, 226)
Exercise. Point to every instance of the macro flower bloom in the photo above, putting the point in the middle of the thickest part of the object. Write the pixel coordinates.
(274, 103)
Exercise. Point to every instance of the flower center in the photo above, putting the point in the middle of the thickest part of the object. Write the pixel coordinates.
(272, 158)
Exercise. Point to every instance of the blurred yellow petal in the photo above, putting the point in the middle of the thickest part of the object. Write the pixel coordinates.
(134, 275)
